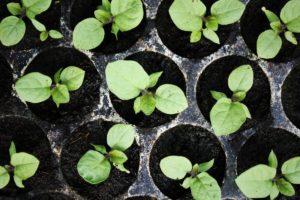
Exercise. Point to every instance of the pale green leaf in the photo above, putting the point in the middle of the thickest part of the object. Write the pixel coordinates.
(44, 36)
(211, 35)
(272, 159)
(268, 44)
(147, 104)
(154, 79)
(239, 96)
(137, 105)
(12, 30)
(18, 182)
(54, 34)
(212, 23)
(175, 167)
(217, 95)
(120, 136)
(36, 7)
(117, 157)
(195, 36)
(57, 76)
(291, 170)
(241, 79)
(100, 148)
(72, 77)
(276, 26)
(14, 8)
(285, 187)
(188, 181)
(203, 167)
(290, 15)
(103, 16)
(38, 25)
(60, 95)
(106, 5)
(289, 36)
(12, 149)
(272, 17)
(122, 168)
(4, 177)
(247, 112)
(115, 30)
(274, 192)
(25, 165)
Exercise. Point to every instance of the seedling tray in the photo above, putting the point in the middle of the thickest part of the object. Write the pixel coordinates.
(60, 137)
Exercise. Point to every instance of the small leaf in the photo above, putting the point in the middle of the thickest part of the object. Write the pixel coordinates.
(241, 79)
(217, 95)
(12, 149)
(122, 168)
(106, 5)
(272, 17)
(239, 96)
(206, 166)
(211, 35)
(227, 11)
(103, 16)
(268, 44)
(60, 95)
(54, 34)
(72, 77)
(196, 169)
(38, 25)
(36, 7)
(137, 105)
(100, 148)
(18, 182)
(274, 192)
(117, 157)
(195, 36)
(14, 8)
(285, 187)
(44, 36)
(290, 15)
(147, 104)
(175, 167)
(12, 30)
(154, 79)
(25, 165)
(188, 181)
(34, 87)
(276, 26)
(291, 170)
(4, 177)
(289, 36)
(57, 76)
(115, 30)
(170, 99)
(273, 162)
(120, 136)
(247, 112)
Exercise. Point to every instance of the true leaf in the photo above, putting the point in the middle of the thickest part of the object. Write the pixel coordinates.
(268, 44)
(227, 11)
(170, 99)
(44, 36)
(175, 167)
(126, 79)
(188, 181)
(212, 23)
(122, 168)
(211, 35)
(241, 79)
(60, 95)
(36, 7)
(285, 187)
(34, 87)
(88, 34)
(291, 170)
(239, 96)
(195, 36)
(25, 165)
(72, 77)
(14, 8)
(272, 17)
(38, 25)
(103, 16)
(57, 76)
(137, 105)
(12, 149)
(54, 34)
(274, 192)
(273, 162)
(290, 15)
(203, 167)
(115, 30)
(154, 79)
(289, 36)
(100, 148)
(106, 5)
(217, 95)
(12, 30)
(117, 157)
(4, 177)
(147, 104)
(246, 110)
(276, 26)
(18, 182)
(120, 136)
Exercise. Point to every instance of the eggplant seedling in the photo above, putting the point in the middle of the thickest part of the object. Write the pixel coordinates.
(22, 166)
(190, 16)
(263, 180)
(36, 87)
(228, 115)
(95, 165)
(128, 80)
(202, 185)
(123, 15)
(13, 28)
(269, 42)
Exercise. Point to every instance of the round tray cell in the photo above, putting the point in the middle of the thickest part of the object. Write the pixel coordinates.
(291, 96)
(82, 9)
(215, 77)
(50, 196)
(78, 144)
(29, 138)
(254, 22)
(258, 147)
(151, 62)
(82, 101)
(6, 79)
(50, 18)
(141, 198)
(179, 41)
(194, 143)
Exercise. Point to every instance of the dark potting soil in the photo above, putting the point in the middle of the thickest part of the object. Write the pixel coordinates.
(6, 79)
(179, 41)
(151, 62)
(82, 9)
(50, 196)
(254, 22)
(215, 77)
(78, 144)
(257, 149)
(29, 138)
(196, 144)
(291, 96)
(141, 198)
(50, 18)
(82, 101)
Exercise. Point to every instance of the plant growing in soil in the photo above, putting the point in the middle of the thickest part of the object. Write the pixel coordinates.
(263, 180)
(123, 15)
(36, 87)
(95, 165)
(269, 42)
(190, 16)
(202, 185)
(13, 28)
(128, 80)
(229, 114)
(22, 166)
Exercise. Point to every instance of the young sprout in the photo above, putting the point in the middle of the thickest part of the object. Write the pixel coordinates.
(269, 42)
(123, 15)
(128, 80)
(263, 180)
(22, 166)
(190, 16)
(202, 185)
(13, 28)
(95, 165)
(36, 87)
(228, 115)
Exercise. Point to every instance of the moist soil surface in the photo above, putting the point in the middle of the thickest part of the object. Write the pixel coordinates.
(195, 143)
(254, 22)
(29, 138)
(50, 18)
(50, 196)
(82, 101)
(179, 41)
(257, 149)
(151, 62)
(215, 77)
(291, 96)
(83, 9)
(6, 79)
(141, 198)
(78, 144)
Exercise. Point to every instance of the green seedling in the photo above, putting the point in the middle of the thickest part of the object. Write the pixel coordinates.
(13, 28)
(128, 80)
(123, 15)
(263, 180)
(202, 185)
(95, 165)
(269, 42)
(190, 16)
(228, 115)
(22, 166)
(36, 87)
